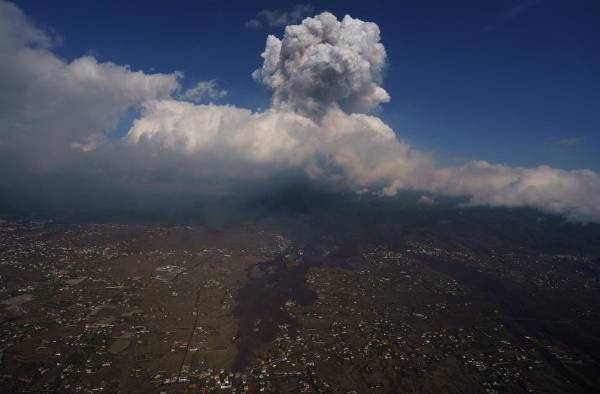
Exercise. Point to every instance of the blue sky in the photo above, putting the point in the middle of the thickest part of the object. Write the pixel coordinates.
(514, 82)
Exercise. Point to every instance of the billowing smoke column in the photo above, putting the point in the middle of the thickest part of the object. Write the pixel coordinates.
(323, 63)
(325, 75)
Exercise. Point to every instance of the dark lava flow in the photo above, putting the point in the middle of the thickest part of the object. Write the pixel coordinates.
(259, 304)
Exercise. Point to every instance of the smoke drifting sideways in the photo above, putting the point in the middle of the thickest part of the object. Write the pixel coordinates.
(56, 145)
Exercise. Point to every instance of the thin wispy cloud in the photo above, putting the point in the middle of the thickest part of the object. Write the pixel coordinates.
(426, 200)
(279, 18)
(511, 14)
(565, 141)
(204, 91)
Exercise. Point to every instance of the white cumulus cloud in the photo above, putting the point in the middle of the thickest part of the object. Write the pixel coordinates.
(278, 18)
(339, 147)
(47, 104)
